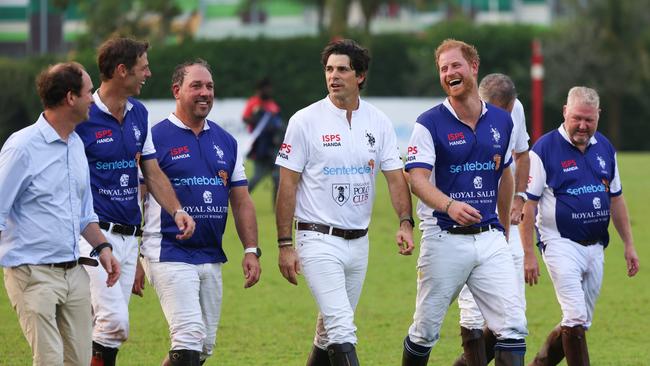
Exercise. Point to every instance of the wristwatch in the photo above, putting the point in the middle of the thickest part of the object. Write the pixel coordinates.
(255, 250)
(409, 219)
(523, 196)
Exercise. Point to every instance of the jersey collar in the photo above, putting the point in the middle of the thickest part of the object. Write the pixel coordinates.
(339, 111)
(451, 110)
(102, 107)
(564, 134)
(178, 123)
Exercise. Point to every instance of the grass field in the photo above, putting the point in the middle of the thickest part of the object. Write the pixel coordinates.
(272, 323)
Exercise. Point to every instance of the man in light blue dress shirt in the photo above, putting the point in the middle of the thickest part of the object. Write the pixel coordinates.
(46, 206)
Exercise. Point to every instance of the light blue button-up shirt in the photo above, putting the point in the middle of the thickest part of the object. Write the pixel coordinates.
(45, 198)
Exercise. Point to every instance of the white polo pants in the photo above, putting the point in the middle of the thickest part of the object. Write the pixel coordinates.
(190, 296)
(334, 269)
(111, 304)
(484, 262)
(470, 315)
(577, 275)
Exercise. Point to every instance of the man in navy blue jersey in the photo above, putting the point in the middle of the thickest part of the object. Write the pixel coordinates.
(117, 141)
(458, 159)
(206, 170)
(575, 187)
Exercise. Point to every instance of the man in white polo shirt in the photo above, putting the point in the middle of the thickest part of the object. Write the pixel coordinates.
(328, 162)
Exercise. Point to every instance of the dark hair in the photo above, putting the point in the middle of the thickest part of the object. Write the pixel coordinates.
(497, 89)
(181, 69)
(116, 51)
(54, 83)
(263, 83)
(359, 56)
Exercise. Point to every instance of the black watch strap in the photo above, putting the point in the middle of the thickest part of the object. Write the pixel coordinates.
(96, 250)
(409, 219)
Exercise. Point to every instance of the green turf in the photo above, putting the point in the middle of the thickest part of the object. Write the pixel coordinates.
(272, 323)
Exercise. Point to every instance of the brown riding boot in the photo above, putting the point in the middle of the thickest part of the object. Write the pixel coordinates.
(574, 342)
(473, 343)
(551, 352)
(318, 357)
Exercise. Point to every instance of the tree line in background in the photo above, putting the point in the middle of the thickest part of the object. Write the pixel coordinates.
(604, 44)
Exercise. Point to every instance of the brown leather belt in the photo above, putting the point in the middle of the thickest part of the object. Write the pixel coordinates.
(71, 264)
(330, 230)
(470, 230)
(128, 230)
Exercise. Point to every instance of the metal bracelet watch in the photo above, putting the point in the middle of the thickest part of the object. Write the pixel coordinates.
(255, 250)
(522, 195)
(178, 211)
(408, 218)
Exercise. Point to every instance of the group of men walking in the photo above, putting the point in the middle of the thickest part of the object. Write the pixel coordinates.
(71, 185)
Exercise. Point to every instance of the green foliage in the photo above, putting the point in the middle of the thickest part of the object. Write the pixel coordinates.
(272, 323)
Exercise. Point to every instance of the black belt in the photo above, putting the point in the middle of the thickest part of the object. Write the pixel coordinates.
(587, 243)
(129, 230)
(71, 264)
(470, 230)
(330, 230)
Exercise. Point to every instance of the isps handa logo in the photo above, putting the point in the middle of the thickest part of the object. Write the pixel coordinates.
(285, 150)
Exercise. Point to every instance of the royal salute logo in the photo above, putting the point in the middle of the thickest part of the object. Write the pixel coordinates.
(478, 182)
(340, 193)
(124, 180)
(596, 203)
(207, 197)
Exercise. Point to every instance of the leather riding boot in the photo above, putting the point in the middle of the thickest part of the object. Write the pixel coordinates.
(342, 354)
(318, 357)
(473, 343)
(184, 357)
(103, 356)
(414, 354)
(490, 340)
(508, 358)
(551, 352)
(574, 342)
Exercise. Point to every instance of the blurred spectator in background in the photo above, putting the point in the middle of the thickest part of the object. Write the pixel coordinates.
(262, 116)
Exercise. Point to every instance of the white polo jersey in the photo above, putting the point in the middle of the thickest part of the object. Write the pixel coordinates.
(338, 161)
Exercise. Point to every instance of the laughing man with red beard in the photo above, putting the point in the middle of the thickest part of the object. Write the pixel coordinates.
(458, 157)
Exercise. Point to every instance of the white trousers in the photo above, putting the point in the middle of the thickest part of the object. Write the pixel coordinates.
(484, 262)
(334, 269)
(470, 314)
(190, 296)
(111, 304)
(577, 275)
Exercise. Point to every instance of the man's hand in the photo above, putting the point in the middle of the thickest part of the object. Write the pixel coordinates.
(531, 269)
(138, 283)
(632, 261)
(289, 264)
(110, 264)
(252, 270)
(185, 223)
(516, 212)
(463, 213)
(404, 239)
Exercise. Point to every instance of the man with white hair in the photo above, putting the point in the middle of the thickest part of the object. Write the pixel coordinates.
(575, 187)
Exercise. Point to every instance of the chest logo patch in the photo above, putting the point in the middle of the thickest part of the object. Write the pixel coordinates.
(478, 182)
(207, 197)
(224, 177)
(596, 203)
(601, 162)
(371, 139)
(496, 136)
(124, 180)
(218, 151)
(136, 133)
(340, 193)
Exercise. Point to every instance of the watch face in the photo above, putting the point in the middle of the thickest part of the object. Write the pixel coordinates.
(258, 253)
